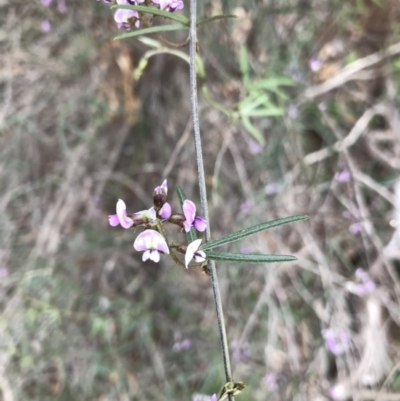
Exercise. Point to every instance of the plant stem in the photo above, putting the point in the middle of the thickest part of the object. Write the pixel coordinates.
(203, 190)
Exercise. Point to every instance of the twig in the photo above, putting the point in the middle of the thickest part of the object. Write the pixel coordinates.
(348, 72)
(203, 190)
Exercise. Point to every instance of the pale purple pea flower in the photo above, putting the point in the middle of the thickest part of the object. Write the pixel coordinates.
(45, 26)
(337, 343)
(355, 228)
(271, 382)
(272, 188)
(192, 251)
(315, 64)
(123, 17)
(166, 211)
(169, 5)
(364, 285)
(152, 243)
(120, 217)
(343, 176)
(183, 345)
(189, 210)
(254, 147)
(46, 3)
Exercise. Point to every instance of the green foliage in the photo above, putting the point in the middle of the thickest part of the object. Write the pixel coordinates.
(248, 258)
(250, 231)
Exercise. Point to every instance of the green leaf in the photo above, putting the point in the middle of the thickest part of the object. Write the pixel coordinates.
(252, 130)
(244, 64)
(160, 28)
(217, 17)
(191, 235)
(248, 258)
(154, 11)
(272, 111)
(225, 239)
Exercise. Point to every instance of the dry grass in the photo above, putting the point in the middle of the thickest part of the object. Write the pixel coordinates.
(83, 318)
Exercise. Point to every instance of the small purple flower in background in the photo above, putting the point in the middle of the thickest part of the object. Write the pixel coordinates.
(292, 111)
(346, 214)
(45, 26)
(193, 252)
(121, 216)
(61, 6)
(169, 5)
(272, 188)
(152, 243)
(343, 176)
(183, 345)
(46, 3)
(338, 393)
(315, 64)
(246, 206)
(241, 351)
(364, 285)
(271, 382)
(3, 272)
(337, 343)
(189, 210)
(254, 147)
(355, 228)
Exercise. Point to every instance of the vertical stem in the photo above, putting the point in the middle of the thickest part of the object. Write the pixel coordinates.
(203, 190)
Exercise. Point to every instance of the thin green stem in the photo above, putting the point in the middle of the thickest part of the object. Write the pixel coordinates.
(203, 190)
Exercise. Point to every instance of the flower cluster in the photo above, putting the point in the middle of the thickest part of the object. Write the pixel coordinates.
(363, 284)
(152, 241)
(127, 19)
(336, 342)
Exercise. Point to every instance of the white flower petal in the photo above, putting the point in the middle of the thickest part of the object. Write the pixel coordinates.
(192, 248)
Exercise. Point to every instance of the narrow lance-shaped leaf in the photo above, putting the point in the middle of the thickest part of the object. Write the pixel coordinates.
(191, 235)
(154, 11)
(248, 258)
(153, 29)
(250, 231)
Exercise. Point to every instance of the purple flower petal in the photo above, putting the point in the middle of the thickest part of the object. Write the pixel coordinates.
(166, 211)
(45, 26)
(189, 211)
(200, 223)
(113, 220)
(124, 220)
(163, 188)
(122, 17)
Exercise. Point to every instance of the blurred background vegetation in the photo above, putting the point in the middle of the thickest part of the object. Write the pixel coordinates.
(312, 93)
